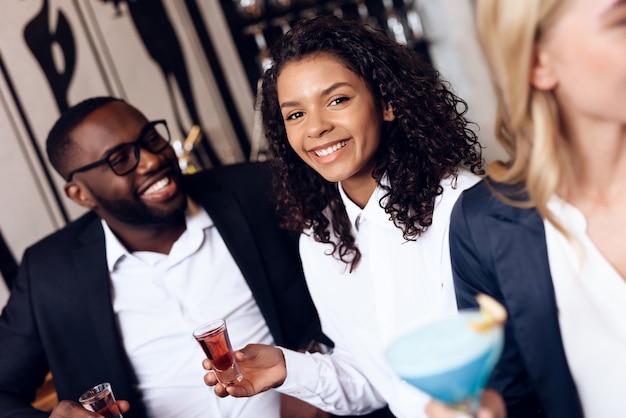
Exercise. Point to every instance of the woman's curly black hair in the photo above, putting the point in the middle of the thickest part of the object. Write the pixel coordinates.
(429, 139)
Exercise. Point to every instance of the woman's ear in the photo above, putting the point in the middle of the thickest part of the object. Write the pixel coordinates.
(388, 114)
(79, 194)
(542, 75)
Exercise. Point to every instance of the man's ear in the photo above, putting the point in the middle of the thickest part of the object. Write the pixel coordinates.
(542, 75)
(78, 193)
(388, 115)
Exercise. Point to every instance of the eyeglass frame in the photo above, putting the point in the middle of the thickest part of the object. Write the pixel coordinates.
(135, 144)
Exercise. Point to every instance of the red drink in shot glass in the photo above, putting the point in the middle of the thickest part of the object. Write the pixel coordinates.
(100, 399)
(213, 338)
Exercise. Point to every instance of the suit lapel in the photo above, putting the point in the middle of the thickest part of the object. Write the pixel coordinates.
(236, 232)
(526, 285)
(94, 287)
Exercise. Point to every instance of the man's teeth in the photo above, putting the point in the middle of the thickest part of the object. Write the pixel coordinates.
(327, 151)
(158, 186)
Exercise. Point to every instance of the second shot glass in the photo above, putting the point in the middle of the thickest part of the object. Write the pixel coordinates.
(213, 338)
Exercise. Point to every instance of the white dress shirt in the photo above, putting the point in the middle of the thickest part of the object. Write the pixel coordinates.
(397, 286)
(591, 301)
(160, 299)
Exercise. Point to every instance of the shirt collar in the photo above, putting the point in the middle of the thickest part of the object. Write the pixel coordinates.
(115, 251)
(196, 219)
(372, 210)
(566, 213)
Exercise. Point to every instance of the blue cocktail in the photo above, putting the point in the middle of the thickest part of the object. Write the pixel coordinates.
(450, 359)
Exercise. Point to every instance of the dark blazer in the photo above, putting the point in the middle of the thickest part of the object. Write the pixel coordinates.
(501, 250)
(60, 317)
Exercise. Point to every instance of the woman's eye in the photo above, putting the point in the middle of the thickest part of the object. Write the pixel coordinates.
(294, 115)
(338, 101)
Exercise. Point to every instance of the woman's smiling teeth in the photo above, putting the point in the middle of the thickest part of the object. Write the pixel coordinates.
(158, 186)
(333, 148)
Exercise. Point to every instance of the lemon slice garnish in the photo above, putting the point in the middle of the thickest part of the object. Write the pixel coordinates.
(492, 313)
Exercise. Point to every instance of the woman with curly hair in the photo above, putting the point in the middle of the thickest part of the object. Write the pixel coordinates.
(371, 150)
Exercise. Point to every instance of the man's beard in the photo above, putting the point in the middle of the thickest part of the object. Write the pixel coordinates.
(137, 213)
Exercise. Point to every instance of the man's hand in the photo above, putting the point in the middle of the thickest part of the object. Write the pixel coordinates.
(70, 409)
(262, 366)
(491, 406)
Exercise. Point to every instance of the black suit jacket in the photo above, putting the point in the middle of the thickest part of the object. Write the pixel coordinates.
(59, 316)
(501, 250)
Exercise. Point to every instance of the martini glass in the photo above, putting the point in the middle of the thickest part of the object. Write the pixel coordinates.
(452, 359)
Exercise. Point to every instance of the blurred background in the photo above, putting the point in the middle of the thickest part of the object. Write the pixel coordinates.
(195, 63)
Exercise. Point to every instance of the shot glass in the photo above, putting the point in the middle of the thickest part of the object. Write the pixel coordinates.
(100, 399)
(213, 338)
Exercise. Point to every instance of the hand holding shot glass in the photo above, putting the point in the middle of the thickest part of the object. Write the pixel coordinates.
(213, 338)
(100, 399)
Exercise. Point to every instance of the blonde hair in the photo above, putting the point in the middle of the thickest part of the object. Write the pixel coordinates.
(527, 123)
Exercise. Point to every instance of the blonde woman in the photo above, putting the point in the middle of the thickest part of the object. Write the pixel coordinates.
(543, 233)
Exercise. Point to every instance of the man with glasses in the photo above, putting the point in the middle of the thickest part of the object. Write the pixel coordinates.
(114, 296)
(154, 136)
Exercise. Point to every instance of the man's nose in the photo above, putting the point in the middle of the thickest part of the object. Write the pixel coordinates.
(148, 160)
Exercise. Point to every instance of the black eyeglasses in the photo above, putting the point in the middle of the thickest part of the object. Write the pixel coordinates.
(123, 159)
